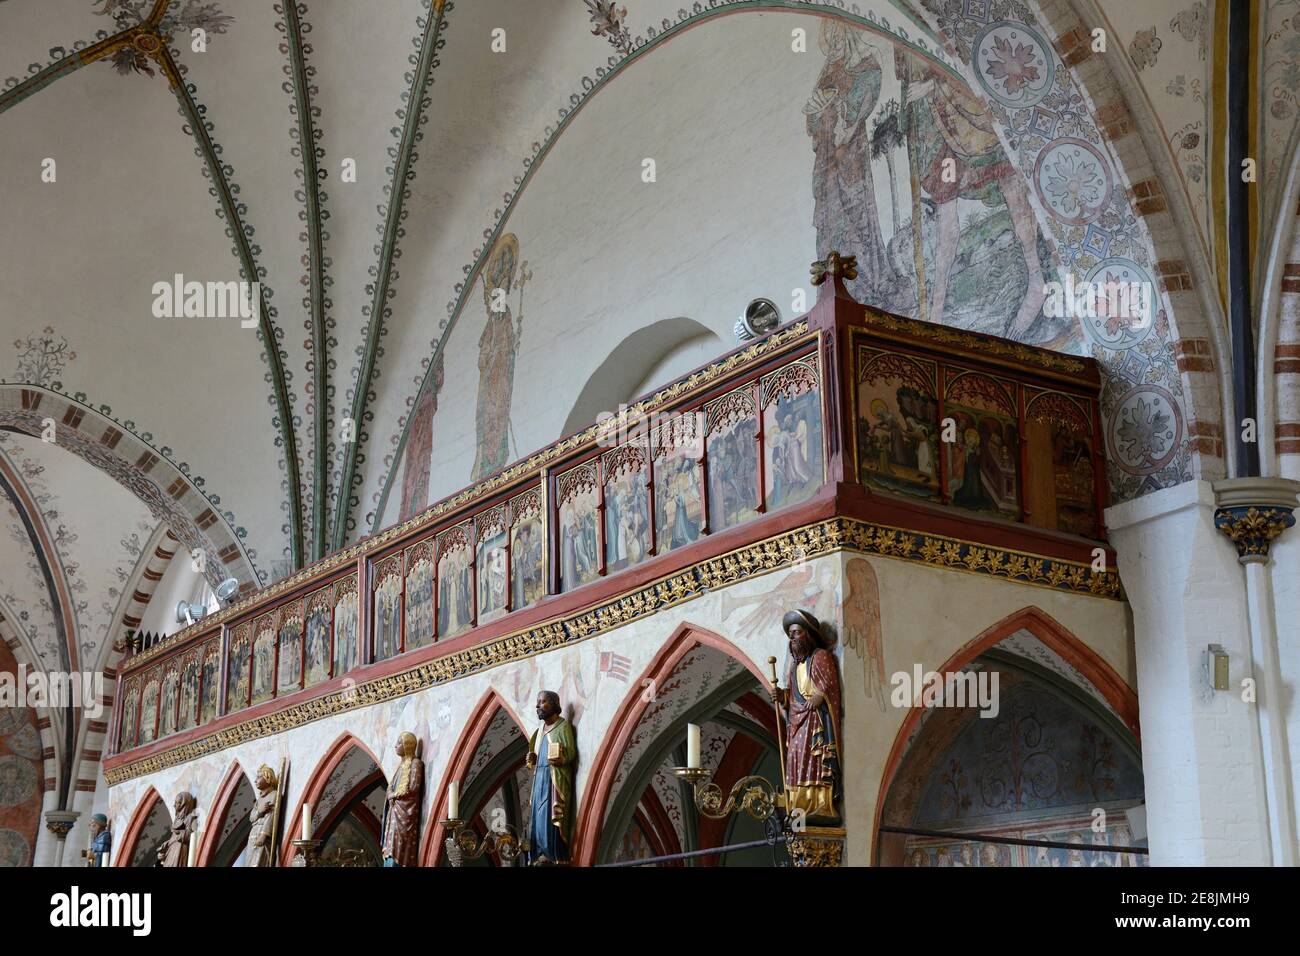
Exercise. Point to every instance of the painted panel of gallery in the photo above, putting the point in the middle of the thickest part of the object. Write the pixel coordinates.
(705, 586)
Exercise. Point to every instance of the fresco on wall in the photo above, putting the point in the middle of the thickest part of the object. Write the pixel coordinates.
(984, 459)
(455, 591)
(679, 498)
(388, 608)
(968, 231)
(345, 627)
(898, 423)
(527, 550)
(419, 451)
(318, 636)
(503, 276)
(627, 508)
(579, 535)
(862, 630)
(491, 564)
(130, 715)
(792, 435)
(20, 776)
(419, 595)
(732, 447)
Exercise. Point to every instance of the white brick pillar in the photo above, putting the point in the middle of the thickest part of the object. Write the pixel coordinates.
(1201, 749)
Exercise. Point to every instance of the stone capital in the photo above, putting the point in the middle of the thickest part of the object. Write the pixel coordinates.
(1253, 512)
(59, 822)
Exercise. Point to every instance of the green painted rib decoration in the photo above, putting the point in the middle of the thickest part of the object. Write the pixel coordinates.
(383, 277)
(239, 235)
(316, 256)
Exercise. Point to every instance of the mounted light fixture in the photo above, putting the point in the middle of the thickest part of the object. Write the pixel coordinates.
(761, 317)
(1216, 666)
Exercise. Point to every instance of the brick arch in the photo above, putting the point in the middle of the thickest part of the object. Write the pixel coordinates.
(1278, 361)
(481, 718)
(215, 819)
(336, 754)
(1055, 636)
(599, 784)
(170, 491)
(124, 849)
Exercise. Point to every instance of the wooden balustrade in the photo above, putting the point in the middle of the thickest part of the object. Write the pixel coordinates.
(845, 410)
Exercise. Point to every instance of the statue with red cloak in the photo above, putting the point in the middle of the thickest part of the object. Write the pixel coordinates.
(401, 828)
(813, 707)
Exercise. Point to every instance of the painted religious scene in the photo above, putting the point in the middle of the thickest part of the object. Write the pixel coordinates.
(792, 435)
(627, 507)
(897, 423)
(318, 643)
(419, 595)
(492, 564)
(263, 675)
(1062, 464)
(455, 581)
(679, 496)
(733, 452)
(579, 500)
(983, 459)
(387, 601)
(527, 551)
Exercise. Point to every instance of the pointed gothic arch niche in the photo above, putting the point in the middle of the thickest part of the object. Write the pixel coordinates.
(488, 762)
(1063, 743)
(346, 793)
(649, 357)
(226, 831)
(147, 830)
(632, 806)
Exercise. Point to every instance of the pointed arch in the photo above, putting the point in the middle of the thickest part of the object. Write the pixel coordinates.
(1057, 637)
(600, 781)
(336, 754)
(125, 849)
(215, 820)
(458, 763)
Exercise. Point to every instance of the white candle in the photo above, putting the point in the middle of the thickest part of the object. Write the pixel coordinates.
(693, 746)
(194, 848)
(453, 800)
(306, 821)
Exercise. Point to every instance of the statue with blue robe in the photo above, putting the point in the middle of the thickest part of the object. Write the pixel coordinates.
(553, 757)
(101, 842)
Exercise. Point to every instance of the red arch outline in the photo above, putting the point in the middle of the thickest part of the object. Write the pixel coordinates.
(216, 818)
(1056, 636)
(481, 718)
(591, 808)
(332, 757)
(122, 854)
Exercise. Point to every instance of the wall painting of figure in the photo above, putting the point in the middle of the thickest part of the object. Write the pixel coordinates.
(792, 434)
(419, 595)
(490, 556)
(579, 498)
(319, 614)
(237, 679)
(264, 658)
(627, 507)
(211, 683)
(679, 498)
(345, 626)
(167, 709)
(149, 709)
(455, 587)
(388, 608)
(984, 458)
(527, 550)
(503, 276)
(290, 676)
(1061, 476)
(897, 423)
(130, 713)
(189, 703)
(732, 443)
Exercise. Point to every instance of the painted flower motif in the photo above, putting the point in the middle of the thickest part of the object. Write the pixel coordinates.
(1015, 68)
(1190, 25)
(607, 21)
(1142, 51)
(1074, 184)
(1144, 431)
(127, 59)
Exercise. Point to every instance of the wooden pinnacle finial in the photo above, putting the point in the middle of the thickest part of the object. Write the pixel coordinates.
(836, 266)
